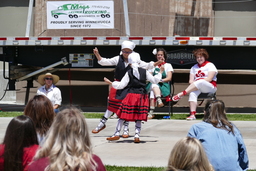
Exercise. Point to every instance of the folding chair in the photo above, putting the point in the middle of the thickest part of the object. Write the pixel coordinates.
(205, 96)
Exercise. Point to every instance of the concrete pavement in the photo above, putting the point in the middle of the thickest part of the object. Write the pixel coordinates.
(157, 139)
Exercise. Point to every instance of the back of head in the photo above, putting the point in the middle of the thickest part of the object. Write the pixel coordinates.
(68, 143)
(20, 133)
(40, 110)
(188, 154)
(216, 115)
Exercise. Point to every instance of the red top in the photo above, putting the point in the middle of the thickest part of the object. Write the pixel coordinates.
(28, 154)
(42, 163)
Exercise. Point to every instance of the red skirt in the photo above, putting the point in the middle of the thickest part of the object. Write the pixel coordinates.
(134, 107)
(113, 103)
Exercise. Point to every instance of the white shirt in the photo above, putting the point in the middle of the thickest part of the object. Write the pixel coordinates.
(53, 94)
(202, 72)
(125, 80)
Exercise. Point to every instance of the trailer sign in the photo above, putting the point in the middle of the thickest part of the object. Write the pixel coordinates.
(81, 59)
(80, 15)
(181, 57)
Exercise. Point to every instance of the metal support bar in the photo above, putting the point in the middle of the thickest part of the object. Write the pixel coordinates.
(126, 18)
(30, 9)
(63, 61)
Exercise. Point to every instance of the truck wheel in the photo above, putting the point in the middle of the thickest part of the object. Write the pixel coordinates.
(56, 16)
(102, 15)
(70, 16)
(75, 16)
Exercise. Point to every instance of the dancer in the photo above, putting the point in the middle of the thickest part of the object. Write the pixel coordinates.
(222, 141)
(202, 79)
(116, 96)
(134, 107)
(163, 87)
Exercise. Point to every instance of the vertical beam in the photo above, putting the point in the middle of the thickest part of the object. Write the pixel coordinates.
(30, 9)
(126, 18)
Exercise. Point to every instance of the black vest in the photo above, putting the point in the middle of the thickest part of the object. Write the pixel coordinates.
(120, 69)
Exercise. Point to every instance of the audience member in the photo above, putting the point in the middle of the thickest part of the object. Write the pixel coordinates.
(202, 79)
(67, 145)
(163, 87)
(222, 141)
(49, 89)
(19, 145)
(40, 110)
(188, 154)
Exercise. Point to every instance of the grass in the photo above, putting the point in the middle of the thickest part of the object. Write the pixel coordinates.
(231, 117)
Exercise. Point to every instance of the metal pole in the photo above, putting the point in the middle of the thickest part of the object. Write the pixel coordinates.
(30, 9)
(63, 61)
(126, 18)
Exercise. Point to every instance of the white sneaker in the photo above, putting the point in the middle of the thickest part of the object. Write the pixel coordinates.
(150, 114)
(191, 117)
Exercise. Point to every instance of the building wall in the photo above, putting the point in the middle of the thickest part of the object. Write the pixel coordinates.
(233, 23)
(146, 17)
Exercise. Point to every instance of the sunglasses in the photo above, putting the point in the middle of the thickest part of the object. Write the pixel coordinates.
(48, 78)
(128, 52)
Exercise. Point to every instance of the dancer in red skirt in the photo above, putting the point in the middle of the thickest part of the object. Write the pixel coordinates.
(135, 106)
(122, 66)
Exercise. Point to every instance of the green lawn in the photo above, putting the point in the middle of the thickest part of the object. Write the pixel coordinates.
(231, 117)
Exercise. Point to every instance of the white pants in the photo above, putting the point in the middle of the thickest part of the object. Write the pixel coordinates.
(203, 87)
(152, 95)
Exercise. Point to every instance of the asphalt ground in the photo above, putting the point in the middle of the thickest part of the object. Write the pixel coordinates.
(157, 139)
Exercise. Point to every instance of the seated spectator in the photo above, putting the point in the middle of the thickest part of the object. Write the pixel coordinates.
(202, 79)
(40, 110)
(222, 141)
(188, 154)
(19, 145)
(163, 87)
(49, 89)
(67, 145)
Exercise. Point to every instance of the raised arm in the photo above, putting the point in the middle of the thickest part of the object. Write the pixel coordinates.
(97, 54)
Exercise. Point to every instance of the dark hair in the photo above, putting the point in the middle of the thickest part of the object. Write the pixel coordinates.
(201, 52)
(41, 111)
(164, 51)
(216, 115)
(20, 133)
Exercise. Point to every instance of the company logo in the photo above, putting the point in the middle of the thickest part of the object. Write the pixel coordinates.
(181, 57)
(75, 10)
(200, 74)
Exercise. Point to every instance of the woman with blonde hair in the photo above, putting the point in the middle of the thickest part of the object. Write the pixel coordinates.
(40, 110)
(188, 154)
(67, 146)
